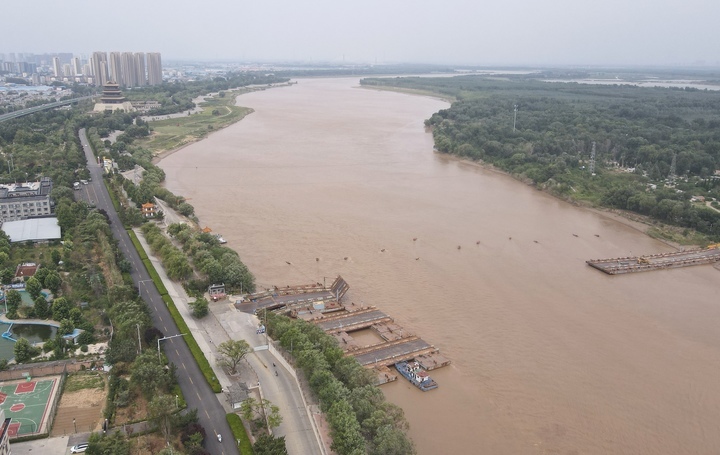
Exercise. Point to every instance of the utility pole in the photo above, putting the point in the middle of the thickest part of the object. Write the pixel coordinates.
(514, 117)
(139, 342)
(673, 168)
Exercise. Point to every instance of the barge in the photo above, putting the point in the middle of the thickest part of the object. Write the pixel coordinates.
(413, 372)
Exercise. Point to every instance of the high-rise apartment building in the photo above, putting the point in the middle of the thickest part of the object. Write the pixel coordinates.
(140, 69)
(76, 66)
(127, 69)
(99, 68)
(115, 68)
(57, 67)
(127, 65)
(154, 68)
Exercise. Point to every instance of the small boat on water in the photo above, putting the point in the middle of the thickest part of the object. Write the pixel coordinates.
(414, 373)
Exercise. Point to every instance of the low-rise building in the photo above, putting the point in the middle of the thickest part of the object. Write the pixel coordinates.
(34, 230)
(4, 433)
(25, 270)
(20, 201)
(149, 210)
(216, 291)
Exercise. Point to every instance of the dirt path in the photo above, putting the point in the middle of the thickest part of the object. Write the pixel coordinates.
(79, 411)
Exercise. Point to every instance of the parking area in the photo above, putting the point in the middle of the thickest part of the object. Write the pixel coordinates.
(49, 446)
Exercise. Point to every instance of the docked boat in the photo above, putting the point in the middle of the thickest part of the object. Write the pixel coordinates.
(414, 373)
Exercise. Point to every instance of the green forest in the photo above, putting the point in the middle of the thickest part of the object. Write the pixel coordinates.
(656, 149)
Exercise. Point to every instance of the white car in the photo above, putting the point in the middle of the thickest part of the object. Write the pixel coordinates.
(79, 448)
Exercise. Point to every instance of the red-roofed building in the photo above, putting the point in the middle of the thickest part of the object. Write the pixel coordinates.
(149, 210)
(25, 271)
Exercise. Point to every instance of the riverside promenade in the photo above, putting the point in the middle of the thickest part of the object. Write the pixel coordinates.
(300, 422)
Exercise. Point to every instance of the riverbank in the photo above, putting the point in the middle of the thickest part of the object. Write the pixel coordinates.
(644, 224)
(213, 112)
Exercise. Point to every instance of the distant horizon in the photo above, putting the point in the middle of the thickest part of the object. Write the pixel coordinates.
(616, 33)
(317, 62)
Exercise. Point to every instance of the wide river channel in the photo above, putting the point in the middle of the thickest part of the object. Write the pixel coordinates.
(549, 355)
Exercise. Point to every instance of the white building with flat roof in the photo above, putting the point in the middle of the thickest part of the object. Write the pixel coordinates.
(36, 230)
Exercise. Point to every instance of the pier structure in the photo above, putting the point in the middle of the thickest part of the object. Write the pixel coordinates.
(323, 307)
(316, 296)
(660, 261)
(398, 344)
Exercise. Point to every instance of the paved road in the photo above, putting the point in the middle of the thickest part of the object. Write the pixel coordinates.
(192, 383)
(282, 390)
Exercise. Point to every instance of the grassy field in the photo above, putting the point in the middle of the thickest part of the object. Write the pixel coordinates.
(217, 113)
(84, 380)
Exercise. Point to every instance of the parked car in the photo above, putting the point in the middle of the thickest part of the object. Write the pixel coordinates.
(79, 448)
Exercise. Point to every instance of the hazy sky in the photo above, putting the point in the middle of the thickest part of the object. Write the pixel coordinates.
(517, 32)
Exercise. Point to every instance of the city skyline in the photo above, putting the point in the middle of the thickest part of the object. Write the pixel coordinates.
(128, 69)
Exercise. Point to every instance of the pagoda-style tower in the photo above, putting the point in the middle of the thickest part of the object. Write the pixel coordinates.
(112, 99)
(111, 94)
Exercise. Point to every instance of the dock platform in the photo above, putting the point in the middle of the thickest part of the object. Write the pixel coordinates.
(661, 261)
(398, 344)
(291, 297)
(322, 306)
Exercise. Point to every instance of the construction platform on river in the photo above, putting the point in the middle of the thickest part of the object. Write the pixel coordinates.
(660, 261)
(324, 308)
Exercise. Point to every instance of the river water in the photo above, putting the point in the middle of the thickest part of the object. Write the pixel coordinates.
(549, 355)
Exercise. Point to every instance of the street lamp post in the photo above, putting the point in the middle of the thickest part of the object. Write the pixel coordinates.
(167, 338)
(176, 402)
(139, 343)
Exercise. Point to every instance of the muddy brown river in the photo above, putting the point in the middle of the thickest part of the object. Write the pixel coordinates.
(549, 355)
